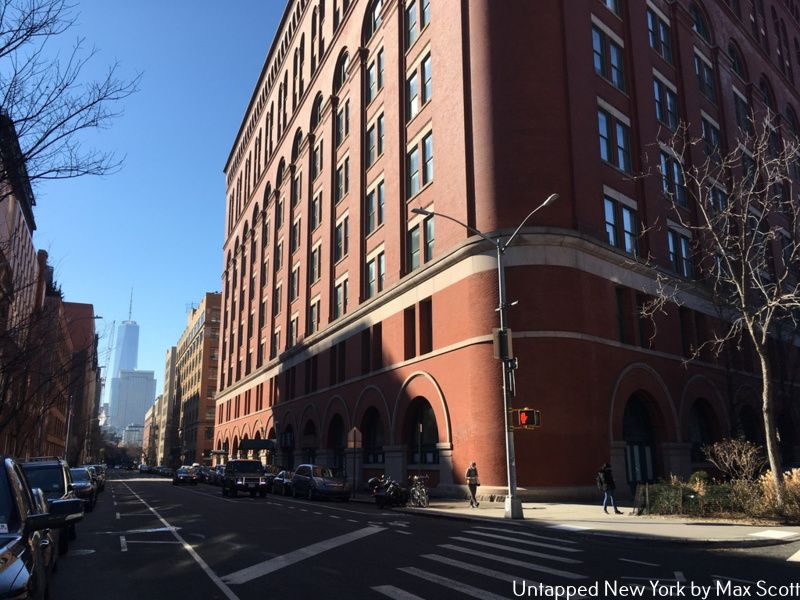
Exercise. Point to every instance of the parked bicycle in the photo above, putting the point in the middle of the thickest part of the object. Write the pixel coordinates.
(418, 493)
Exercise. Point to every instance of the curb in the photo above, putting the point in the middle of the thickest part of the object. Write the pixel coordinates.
(740, 542)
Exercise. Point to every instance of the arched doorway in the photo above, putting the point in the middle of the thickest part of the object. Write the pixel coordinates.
(640, 441)
(750, 425)
(287, 447)
(703, 429)
(372, 437)
(308, 443)
(421, 433)
(336, 441)
(235, 448)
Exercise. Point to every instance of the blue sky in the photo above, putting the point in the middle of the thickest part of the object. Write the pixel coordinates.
(157, 225)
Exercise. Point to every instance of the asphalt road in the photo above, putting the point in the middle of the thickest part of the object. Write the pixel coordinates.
(149, 540)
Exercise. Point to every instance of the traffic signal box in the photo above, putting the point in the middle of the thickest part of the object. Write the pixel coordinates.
(525, 418)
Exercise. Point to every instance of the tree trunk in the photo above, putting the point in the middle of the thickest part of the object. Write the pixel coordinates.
(773, 451)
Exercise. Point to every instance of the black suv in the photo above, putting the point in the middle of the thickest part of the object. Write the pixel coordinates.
(51, 475)
(244, 476)
(23, 572)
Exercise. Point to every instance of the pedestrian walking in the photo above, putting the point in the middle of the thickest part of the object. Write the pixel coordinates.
(472, 483)
(605, 483)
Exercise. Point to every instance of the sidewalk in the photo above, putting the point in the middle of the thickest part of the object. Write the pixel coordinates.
(589, 519)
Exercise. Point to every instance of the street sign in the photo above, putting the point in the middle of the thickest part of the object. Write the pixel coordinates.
(501, 344)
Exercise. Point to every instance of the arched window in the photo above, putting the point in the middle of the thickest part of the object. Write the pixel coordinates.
(372, 436)
(279, 176)
(373, 20)
(766, 94)
(737, 62)
(700, 23)
(316, 109)
(298, 141)
(791, 120)
(340, 75)
(422, 433)
(314, 41)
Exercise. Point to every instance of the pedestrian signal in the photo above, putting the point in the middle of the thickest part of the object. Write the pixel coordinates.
(525, 418)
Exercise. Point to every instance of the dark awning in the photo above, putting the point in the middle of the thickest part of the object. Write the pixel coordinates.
(257, 445)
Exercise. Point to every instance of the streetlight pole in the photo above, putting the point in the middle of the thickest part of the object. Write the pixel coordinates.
(512, 504)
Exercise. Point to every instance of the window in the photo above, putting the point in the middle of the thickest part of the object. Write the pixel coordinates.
(279, 256)
(412, 31)
(413, 249)
(380, 135)
(699, 26)
(342, 123)
(658, 34)
(316, 210)
(705, 78)
(612, 5)
(429, 238)
(313, 317)
(315, 266)
(719, 200)
(425, 16)
(412, 170)
(379, 62)
(427, 79)
(293, 330)
(278, 214)
(621, 226)
(666, 104)
(412, 97)
(427, 159)
(381, 271)
(615, 146)
(372, 145)
(742, 115)
(294, 237)
(275, 344)
(737, 63)
(276, 301)
(609, 58)
(375, 202)
(341, 239)
(372, 279)
(710, 139)
(316, 160)
(342, 179)
(372, 82)
(680, 255)
(294, 284)
(297, 189)
(340, 299)
(672, 181)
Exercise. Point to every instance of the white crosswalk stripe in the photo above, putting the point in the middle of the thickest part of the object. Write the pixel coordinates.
(458, 586)
(396, 593)
(476, 569)
(561, 559)
(516, 563)
(527, 534)
(519, 541)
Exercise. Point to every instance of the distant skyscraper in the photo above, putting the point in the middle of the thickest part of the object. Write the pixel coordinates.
(127, 350)
(135, 392)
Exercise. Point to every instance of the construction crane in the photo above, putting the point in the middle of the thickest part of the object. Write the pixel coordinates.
(104, 367)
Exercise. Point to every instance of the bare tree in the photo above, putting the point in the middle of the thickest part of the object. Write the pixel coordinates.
(741, 212)
(47, 96)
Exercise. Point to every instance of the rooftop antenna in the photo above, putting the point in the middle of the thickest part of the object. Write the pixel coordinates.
(130, 306)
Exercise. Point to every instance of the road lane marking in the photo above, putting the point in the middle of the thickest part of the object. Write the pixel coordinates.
(526, 534)
(352, 521)
(476, 569)
(794, 557)
(512, 561)
(396, 593)
(334, 516)
(403, 532)
(567, 527)
(129, 531)
(519, 541)
(639, 562)
(774, 534)
(465, 589)
(285, 560)
(123, 544)
(153, 542)
(552, 557)
(117, 515)
(192, 552)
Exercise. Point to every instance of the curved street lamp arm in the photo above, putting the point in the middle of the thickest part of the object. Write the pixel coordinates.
(422, 211)
(549, 200)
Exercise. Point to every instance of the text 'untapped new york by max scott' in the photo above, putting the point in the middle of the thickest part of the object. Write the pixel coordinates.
(657, 588)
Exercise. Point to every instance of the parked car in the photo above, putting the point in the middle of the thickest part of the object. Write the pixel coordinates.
(270, 471)
(316, 481)
(84, 487)
(242, 475)
(184, 476)
(219, 475)
(99, 475)
(23, 573)
(282, 483)
(52, 476)
(50, 537)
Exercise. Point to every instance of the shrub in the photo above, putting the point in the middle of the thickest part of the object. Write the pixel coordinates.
(791, 483)
(736, 459)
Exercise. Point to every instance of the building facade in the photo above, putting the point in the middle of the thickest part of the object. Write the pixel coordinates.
(347, 315)
(196, 366)
(136, 392)
(168, 415)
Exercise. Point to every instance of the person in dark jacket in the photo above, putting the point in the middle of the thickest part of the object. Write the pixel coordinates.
(605, 481)
(472, 483)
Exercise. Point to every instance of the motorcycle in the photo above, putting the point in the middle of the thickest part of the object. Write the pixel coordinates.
(387, 492)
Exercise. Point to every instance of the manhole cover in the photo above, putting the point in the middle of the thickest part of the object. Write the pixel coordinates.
(81, 552)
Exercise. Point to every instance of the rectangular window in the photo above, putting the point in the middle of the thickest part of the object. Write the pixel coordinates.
(342, 179)
(413, 249)
(278, 214)
(380, 135)
(680, 253)
(316, 161)
(412, 32)
(372, 82)
(316, 211)
(275, 345)
(612, 5)
(294, 284)
(372, 278)
(315, 268)
(427, 79)
(609, 58)
(381, 271)
(742, 115)
(372, 145)
(340, 300)
(710, 139)
(293, 326)
(278, 256)
(427, 159)
(341, 236)
(666, 104)
(621, 226)
(294, 237)
(412, 96)
(425, 17)
(430, 238)
(412, 170)
(276, 301)
(672, 181)
(379, 62)
(705, 78)
(342, 123)
(658, 34)
(313, 317)
(297, 189)
(372, 210)
(614, 141)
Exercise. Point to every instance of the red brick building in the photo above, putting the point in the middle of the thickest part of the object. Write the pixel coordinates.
(343, 309)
